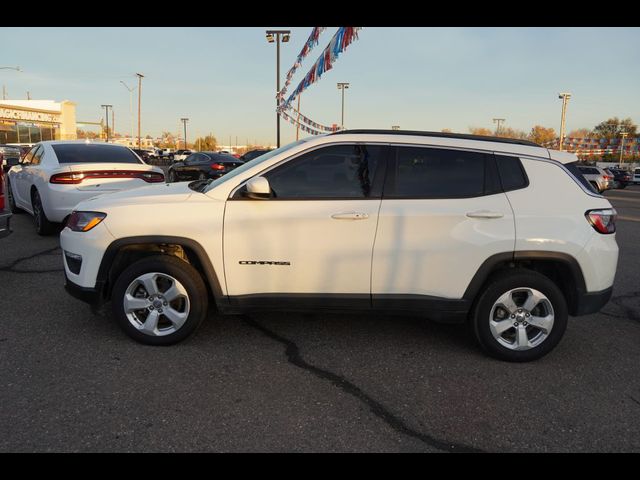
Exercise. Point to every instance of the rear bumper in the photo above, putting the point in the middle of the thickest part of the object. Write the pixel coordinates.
(5, 228)
(591, 302)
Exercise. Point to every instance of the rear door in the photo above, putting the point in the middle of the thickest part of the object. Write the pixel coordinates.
(443, 214)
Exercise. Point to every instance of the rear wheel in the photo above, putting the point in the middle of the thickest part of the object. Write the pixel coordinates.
(520, 316)
(43, 225)
(159, 300)
(172, 176)
(202, 176)
(12, 201)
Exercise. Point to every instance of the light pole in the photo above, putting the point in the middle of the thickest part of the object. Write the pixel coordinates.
(140, 76)
(342, 86)
(106, 114)
(4, 90)
(130, 105)
(286, 34)
(184, 122)
(623, 134)
(565, 99)
(498, 120)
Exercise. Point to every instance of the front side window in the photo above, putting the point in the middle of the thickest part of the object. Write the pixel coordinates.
(334, 172)
(440, 173)
(37, 156)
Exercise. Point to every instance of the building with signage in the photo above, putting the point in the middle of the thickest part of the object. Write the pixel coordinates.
(31, 121)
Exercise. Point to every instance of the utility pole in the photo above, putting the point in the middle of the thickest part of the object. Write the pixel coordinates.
(565, 99)
(498, 120)
(140, 77)
(342, 86)
(106, 115)
(113, 122)
(286, 34)
(624, 134)
(28, 95)
(184, 122)
(4, 90)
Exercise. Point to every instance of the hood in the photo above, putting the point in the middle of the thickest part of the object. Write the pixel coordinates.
(157, 194)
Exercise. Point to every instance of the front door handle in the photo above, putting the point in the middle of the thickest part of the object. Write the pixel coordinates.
(485, 214)
(350, 216)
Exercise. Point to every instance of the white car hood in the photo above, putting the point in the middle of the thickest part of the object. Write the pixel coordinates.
(158, 194)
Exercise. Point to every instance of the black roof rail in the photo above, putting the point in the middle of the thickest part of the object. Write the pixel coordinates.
(461, 136)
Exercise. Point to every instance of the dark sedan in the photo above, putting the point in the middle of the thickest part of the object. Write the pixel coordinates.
(251, 154)
(622, 178)
(202, 165)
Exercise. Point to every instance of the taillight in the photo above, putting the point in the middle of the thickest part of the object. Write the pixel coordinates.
(217, 166)
(602, 220)
(78, 177)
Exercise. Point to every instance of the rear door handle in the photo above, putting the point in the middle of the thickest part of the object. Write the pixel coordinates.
(485, 214)
(350, 216)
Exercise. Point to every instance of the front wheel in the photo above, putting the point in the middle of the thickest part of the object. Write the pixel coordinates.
(172, 176)
(159, 300)
(520, 316)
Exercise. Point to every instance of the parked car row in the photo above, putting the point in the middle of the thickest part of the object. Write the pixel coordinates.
(602, 179)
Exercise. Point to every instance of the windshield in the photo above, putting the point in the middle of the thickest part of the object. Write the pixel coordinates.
(252, 163)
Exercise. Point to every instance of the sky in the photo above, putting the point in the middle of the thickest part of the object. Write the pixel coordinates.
(426, 78)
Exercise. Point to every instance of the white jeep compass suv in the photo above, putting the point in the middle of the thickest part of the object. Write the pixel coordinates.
(503, 234)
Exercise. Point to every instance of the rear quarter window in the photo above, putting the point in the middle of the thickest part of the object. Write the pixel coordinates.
(512, 173)
(577, 173)
(94, 153)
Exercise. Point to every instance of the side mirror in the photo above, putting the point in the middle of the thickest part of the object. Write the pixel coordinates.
(258, 188)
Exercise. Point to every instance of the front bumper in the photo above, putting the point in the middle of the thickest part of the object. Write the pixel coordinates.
(92, 296)
(5, 228)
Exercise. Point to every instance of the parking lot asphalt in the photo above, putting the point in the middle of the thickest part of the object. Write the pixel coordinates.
(72, 381)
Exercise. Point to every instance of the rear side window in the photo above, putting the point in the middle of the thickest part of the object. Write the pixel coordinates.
(94, 153)
(440, 173)
(512, 174)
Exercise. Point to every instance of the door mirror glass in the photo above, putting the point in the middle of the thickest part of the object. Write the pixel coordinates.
(258, 188)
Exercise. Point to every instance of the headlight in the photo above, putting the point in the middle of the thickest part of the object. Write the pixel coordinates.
(84, 221)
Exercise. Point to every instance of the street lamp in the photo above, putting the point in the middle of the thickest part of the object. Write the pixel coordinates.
(4, 92)
(106, 114)
(184, 122)
(140, 76)
(286, 34)
(565, 99)
(623, 134)
(342, 86)
(498, 120)
(130, 105)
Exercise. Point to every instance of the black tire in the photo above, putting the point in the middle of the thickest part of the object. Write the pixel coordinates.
(202, 176)
(181, 271)
(11, 200)
(42, 223)
(172, 176)
(493, 290)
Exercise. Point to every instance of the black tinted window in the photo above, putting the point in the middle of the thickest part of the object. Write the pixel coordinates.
(341, 171)
(94, 153)
(512, 173)
(440, 173)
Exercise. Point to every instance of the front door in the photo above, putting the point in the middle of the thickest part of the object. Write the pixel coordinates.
(310, 244)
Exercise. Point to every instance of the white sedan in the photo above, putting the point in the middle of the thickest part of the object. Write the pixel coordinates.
(56, 175)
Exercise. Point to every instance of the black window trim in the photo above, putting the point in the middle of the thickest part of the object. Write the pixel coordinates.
(379, 178)
(522, 169)
(389, 187)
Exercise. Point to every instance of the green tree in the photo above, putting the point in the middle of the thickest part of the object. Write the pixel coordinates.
(613, 127)
(206, 144)
(540, 134)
